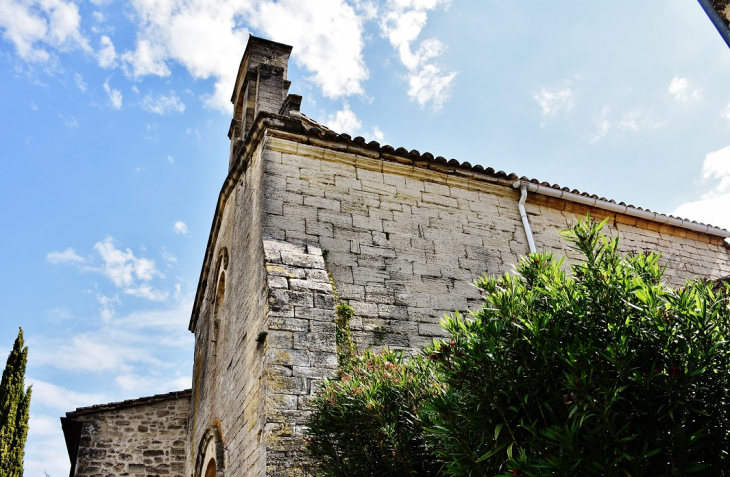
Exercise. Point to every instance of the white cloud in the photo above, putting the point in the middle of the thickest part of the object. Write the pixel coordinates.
(67, 256)
(146, 59)
(59, 314)
(169, 257)
(181, 227)
(712, 207)
(147, 292)
(161, 104)
(115, 96)
(107, 54)
(208, 37)
(126, 271)
(122, 267)
(717, 166)
(141, 342)
(33, 106)
(726, 112)
(378, 134)
(79, 80)
(55, 397)
(33, 25)
(401, 23)
(170, 159)
(328, 40)
(553, 101)
(193, 132)
(632, 121)
(108, 303)
(99, 16)
(604, 126)
(136, 384)
(679, 88)
(70, 121)
(344, 121)
(45, 450)
(430, 85)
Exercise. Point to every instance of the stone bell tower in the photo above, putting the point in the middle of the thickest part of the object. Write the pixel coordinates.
(261, 85)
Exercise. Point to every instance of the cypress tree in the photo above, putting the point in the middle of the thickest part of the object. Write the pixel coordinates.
(14, 407)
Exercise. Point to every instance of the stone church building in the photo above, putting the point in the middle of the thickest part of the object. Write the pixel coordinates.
(403, 234)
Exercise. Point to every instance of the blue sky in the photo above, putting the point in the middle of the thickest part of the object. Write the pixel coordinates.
(113, 144)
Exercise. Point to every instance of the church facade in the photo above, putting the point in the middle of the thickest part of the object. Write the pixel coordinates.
(401, 235)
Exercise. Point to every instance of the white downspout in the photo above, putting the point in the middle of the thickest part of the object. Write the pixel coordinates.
(525, 222)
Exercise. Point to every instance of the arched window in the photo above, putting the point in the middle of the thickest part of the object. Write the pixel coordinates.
(220, 291)
(210, 469)
(219, 297)
(209, 459)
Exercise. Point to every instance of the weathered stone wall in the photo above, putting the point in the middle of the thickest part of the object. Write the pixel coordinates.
(228, 372)
(300, 346)
(145, 439)
(256, 391)
(406, 241)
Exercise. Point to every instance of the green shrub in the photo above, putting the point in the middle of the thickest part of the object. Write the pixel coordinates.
(603, 372)
(365, 422)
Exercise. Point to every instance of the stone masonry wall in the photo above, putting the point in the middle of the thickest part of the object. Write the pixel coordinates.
(138, 440)
(229, 369)
(256, 393)
(300, 348)
(406, 241)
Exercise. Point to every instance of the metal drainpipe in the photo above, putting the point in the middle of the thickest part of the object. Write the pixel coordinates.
(720, 23)
(523, 214)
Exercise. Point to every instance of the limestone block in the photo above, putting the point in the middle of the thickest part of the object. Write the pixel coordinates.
(371, 176)
(322, 203)
(370, 262)
(323, 359)
(367, 222)
(351, 292)
(286, 384)
(364, 276)
(287, 357)
(430, 329)
(315, 314)
(439, 200)
(339, 219)
(288, 324)
(280, 339)
(279, 298)
(314, 341)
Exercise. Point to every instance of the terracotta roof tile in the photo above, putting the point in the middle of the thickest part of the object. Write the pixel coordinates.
(313, 128)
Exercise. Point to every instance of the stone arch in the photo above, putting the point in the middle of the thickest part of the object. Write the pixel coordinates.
(221, 265)
(210, 458)
(220, 291)
(219, 296)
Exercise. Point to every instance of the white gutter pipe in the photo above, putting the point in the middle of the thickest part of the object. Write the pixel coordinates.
(523, 214)
(621, 209)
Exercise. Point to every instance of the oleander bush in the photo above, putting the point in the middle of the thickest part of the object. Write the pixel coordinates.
(597, 369)
(604, 371)
(365, 421)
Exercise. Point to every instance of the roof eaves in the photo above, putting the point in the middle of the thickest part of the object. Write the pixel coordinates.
(112, 406)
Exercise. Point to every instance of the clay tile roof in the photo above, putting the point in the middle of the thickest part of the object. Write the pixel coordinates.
(313, 128)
